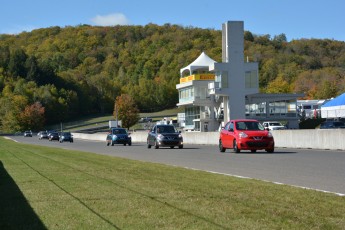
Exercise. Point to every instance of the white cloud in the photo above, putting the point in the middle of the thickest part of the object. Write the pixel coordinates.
(110, 20)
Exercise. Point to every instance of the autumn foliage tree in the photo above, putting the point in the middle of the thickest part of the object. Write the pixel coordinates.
(126, 110)
(10, 110)
(32, 118)
(278, 85)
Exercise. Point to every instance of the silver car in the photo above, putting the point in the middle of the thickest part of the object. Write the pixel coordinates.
(164, 136)
(42, 135)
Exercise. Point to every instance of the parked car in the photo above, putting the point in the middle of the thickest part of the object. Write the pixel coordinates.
(332, 125)
(118, 136)
(66, 136)
(273, 125)
(145, 119)
(53, 136)
(27, 134)
(245, 134)
(164, 136)
(42, 135)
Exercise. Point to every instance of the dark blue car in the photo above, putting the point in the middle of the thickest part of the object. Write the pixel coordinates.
(118, 136)
(332, 125)
(66, 136)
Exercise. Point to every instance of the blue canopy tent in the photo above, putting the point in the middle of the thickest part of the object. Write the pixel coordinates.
(335, 108)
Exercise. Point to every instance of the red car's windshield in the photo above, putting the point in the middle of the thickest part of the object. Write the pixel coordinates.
(249, 125)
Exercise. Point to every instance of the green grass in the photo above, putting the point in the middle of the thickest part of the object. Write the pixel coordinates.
(162, 114)
(102, 120)
(52, 188)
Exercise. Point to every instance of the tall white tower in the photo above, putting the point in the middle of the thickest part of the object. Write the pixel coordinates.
(230, 73)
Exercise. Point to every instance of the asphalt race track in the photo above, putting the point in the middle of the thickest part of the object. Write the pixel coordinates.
(315, 169)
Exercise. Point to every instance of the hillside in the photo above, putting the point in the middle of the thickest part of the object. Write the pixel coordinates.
(76, 71)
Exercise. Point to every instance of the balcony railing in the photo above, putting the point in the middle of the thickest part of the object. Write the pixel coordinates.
(271, 115)
(204, 115)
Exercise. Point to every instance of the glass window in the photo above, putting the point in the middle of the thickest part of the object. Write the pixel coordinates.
(191, 114)
(256, 109)
(227, 126)
(279, 107)
(291, 106)
(231, 126)
(240, 126)
(224, 78)
(251, 79)
(249, 125)
(119, 131)
(186, 94)
(197, 126)
(218, 77)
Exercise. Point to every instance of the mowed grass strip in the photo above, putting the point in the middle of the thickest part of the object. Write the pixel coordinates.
(52, 188)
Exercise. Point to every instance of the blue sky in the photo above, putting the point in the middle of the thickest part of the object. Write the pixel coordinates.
(295, 18)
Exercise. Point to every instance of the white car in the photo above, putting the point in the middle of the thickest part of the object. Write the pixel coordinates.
(27, 134)
(42, 135)
(273, 125)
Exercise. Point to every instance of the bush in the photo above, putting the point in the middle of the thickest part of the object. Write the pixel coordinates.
(311, 123)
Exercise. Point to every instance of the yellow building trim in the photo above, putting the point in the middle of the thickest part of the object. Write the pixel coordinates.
(198, 77)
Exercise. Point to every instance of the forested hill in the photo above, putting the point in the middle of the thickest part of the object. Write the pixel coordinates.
(80, 70)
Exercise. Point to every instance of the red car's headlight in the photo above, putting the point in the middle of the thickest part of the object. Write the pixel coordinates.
(242, 135)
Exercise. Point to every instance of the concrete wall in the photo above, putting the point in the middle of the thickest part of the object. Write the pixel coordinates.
(310, 138)
(303, 138)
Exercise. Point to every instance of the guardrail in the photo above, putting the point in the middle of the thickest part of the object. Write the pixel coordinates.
(297, 138)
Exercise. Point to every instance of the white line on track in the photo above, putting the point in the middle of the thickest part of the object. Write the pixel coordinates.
(274, 182)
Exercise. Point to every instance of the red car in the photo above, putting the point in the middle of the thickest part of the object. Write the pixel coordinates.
(245, 134)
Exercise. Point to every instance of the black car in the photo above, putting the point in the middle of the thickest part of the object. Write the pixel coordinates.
(164, 136)
(49, 132)
(118, 136)
(332, 125)
(66, 136)
(54, 136)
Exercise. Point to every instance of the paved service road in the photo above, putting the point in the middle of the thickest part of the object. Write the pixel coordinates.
(317, 169)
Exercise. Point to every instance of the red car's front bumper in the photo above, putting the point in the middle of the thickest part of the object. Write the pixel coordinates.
(251, 144)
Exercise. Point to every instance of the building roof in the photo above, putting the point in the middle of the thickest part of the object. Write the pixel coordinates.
(202, 62)
(264, 97)
(335, 108)
(338, 101)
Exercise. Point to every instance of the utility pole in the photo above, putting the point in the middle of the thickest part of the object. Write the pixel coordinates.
(117, 121)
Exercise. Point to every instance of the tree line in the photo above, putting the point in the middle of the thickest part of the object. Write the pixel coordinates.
(61, 74)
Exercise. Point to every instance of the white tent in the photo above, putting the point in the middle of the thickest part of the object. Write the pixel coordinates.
(334, 108)
(202, 62)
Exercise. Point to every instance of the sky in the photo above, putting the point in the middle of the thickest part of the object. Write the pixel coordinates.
(297, 19)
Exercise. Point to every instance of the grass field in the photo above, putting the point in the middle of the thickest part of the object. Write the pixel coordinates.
(52, 188)
(103, 120)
